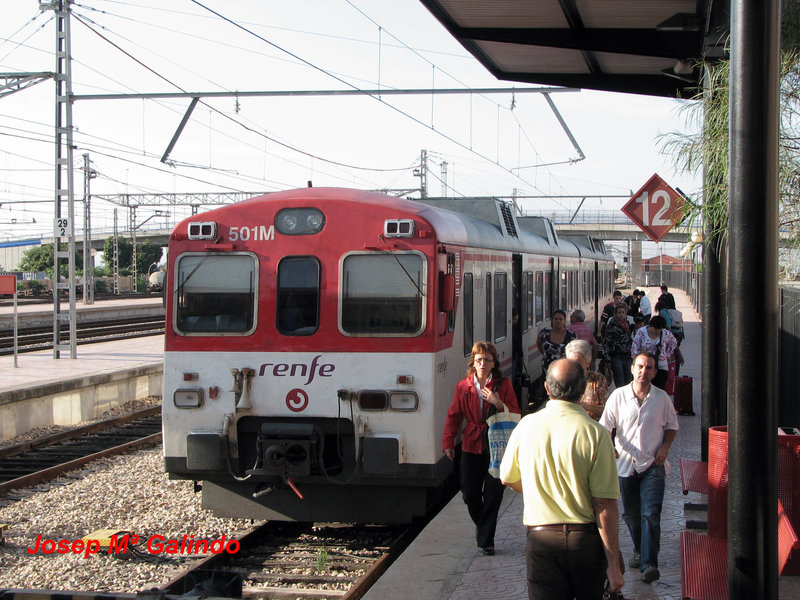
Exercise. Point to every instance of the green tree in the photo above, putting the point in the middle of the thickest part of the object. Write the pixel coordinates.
(40, 258)
(147, 253)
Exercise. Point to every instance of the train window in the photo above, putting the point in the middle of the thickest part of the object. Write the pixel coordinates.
(562, 299)
(500, 306)
(451, 270)
(538, 298)
(526, 318)
(297, 311)
(383, 294)
(574, 300)
(488, 306)
(215, 294)
(468, 299)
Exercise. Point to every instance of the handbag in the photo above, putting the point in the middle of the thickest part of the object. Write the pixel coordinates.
(501, 424)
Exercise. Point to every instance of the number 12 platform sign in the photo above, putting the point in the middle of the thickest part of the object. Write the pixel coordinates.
(655, 208)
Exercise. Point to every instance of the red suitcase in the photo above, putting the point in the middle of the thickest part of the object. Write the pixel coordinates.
(683, 396)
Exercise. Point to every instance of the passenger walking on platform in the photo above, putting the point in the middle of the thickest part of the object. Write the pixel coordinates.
(646, 425)
(666, 299)
(617, 345)
(608, 311)
(552, 340)
(578, 326)
(658, 340)
(563, 464)
(551, 343)
(480, 394)
(596, 392)
(645, 307)
(633, 303)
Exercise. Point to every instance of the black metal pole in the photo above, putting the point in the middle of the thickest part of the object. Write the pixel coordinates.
(714, 348)
(753, 300)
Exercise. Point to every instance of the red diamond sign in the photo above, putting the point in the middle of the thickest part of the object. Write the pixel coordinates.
(655, 208)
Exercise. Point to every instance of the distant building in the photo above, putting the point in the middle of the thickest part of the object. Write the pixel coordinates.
(664, 262)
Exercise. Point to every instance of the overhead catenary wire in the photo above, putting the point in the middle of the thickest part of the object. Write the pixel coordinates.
(465, 85)
(90, 144)
(347, 83)
(259, 133)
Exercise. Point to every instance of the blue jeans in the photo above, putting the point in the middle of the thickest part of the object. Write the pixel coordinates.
(642, 496)
(621, 367)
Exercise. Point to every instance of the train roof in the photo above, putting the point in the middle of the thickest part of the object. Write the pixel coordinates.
(484, 218)
(588, 246)
(484, 222)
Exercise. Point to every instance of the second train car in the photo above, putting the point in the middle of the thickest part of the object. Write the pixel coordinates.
(314, 338)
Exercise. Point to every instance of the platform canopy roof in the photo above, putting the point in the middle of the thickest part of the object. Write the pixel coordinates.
(635, 46)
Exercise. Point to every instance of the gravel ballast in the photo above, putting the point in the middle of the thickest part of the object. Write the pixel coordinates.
(125, 493)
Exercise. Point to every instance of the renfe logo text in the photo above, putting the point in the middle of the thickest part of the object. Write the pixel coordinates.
(298, 369)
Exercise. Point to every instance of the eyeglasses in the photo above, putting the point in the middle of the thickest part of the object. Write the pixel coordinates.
(482, 359)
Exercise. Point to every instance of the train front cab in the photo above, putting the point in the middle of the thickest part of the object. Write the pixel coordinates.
(332, 419)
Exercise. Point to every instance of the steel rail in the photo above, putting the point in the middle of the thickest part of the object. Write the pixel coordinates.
(55, 471)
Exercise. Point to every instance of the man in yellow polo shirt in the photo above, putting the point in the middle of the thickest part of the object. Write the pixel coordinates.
(563, 464)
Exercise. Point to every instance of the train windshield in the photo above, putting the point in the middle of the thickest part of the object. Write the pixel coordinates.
(298, 295)
(383, 294)
(215, 294)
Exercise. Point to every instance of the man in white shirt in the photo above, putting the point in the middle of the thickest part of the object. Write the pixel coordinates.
(645, 307)
(646, 425)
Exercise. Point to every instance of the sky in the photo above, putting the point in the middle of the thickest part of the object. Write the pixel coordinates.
(498, 144)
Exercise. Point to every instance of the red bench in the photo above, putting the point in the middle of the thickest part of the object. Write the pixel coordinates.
(694, 476)
(704, 560)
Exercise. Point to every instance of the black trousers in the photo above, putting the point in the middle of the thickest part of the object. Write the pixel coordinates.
(563, 565)
(482, 494)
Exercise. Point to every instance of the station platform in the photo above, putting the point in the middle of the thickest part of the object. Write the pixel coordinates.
(42, 390)
(444, 563)
(41, 314)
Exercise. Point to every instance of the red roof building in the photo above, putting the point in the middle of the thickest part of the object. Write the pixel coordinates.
(666, 263)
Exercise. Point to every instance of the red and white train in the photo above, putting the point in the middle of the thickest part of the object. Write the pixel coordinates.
(314, 338)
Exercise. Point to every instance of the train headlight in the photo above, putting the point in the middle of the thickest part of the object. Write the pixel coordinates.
(314, 221)
(398, 228)
(188, 398)
(372, 400)
(202, 230)
(403, 401)
(299, 221)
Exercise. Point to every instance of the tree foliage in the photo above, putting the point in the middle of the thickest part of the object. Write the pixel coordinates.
(147, 253)
(40, 258)
(706, 152)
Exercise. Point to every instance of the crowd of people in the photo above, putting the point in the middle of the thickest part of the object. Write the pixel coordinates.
(575, 455)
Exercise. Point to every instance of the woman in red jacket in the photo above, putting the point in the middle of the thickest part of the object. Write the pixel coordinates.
(483, 390)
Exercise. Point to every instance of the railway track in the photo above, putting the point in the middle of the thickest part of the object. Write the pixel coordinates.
(273, 561)
(46, 458)
(41, 338)
(297, 560)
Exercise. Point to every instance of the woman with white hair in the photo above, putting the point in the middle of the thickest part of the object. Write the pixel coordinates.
(596, 392)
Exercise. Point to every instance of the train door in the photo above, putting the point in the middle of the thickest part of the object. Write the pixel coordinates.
(596, 298)
(519, 298)
(555, 288)
(550, 289)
